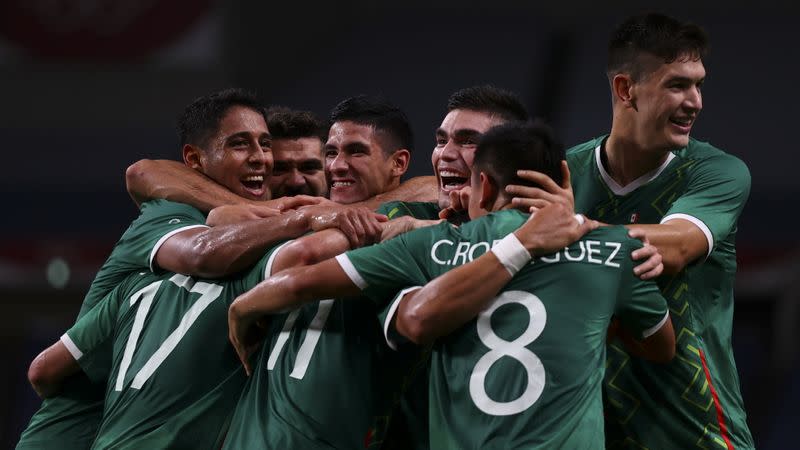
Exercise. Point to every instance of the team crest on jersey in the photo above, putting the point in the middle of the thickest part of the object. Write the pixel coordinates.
(634, 217)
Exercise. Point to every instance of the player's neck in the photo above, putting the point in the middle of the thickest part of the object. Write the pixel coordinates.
(626, 161)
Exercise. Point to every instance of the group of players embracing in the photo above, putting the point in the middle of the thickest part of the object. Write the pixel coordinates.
(282, 288)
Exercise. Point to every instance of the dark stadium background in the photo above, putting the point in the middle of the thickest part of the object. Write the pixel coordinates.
(88, 87)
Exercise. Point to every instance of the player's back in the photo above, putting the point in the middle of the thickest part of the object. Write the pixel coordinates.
(174, 378)
(324, 378)
(73, 418)
(527, 372)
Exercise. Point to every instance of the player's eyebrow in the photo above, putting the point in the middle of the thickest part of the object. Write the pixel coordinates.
(466, 133)
(353, 147)
(247, 134)
(684, 80)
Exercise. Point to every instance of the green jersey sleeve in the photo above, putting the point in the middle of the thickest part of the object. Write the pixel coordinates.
(158, 220)
(260, 271)
(714, 199)
(383, 269)
(418, 210)
(90, 339)
(385, 315)
(640, 305)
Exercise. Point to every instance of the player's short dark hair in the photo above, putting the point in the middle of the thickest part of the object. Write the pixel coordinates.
(200, 119)
(664, 37)
(381, 115)
(509, 147)
(285, 123)
(489, 99)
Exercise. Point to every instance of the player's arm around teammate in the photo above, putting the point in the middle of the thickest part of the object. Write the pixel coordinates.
(50, 368)
(678, 241)
(532, 198)
(148, 179)
(221, 250)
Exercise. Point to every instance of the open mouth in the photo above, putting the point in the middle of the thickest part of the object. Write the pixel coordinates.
(452, 180)
(684, 123)
(341, 184)
(254, 184)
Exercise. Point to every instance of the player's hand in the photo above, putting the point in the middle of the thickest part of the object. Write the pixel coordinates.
(552, 228)
(652, 266)
(230, 214)
(245, 334)
(297, 201)
(360, 225)
(404, 224)
(459, 205)
(533, 198)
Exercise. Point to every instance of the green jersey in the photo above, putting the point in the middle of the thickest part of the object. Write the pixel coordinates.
(175, 377)
(693, 402)
(296, 398)
(419, 210)
(409, 425)
(71, 419)
(527, 372)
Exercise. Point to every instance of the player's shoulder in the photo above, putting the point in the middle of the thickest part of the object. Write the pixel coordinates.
(418, 210)
(705, 155)
(136, 281)
(155, 212)
(585, 149)
(580, 158)
(616, 233)
(161, 206)
(497, 222)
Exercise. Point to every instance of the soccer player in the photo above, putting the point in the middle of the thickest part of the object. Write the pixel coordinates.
(297, 140)
(174, 379)
(225, 137)
(520, 370)
(163, 179)
(324, 376)
(470, 113)
(685, 196)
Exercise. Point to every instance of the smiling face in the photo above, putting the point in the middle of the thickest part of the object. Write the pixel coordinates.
(298, 168)
(238, 156)
(456, 140)
(355, 163)
(667, 102)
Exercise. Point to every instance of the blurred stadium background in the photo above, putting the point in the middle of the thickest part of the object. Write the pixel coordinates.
(88, 87)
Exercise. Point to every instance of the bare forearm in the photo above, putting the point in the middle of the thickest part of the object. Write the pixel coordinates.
(311, 249)
(680, 242)
(451, 300)
(295, 287)
(224, 250)
(49, 369)
(171, 180)
(417, 189)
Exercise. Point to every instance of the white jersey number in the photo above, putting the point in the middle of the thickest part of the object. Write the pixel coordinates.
(516, 349)
(209, 292)
(309, 342)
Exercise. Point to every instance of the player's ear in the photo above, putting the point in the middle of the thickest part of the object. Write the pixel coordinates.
(623, 90)
(192, 157)
(399, 161)
(489, 192)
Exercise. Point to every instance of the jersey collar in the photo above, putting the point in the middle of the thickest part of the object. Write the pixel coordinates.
(633, 185)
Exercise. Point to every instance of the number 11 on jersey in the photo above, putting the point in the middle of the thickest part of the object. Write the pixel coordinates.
(306, 349)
